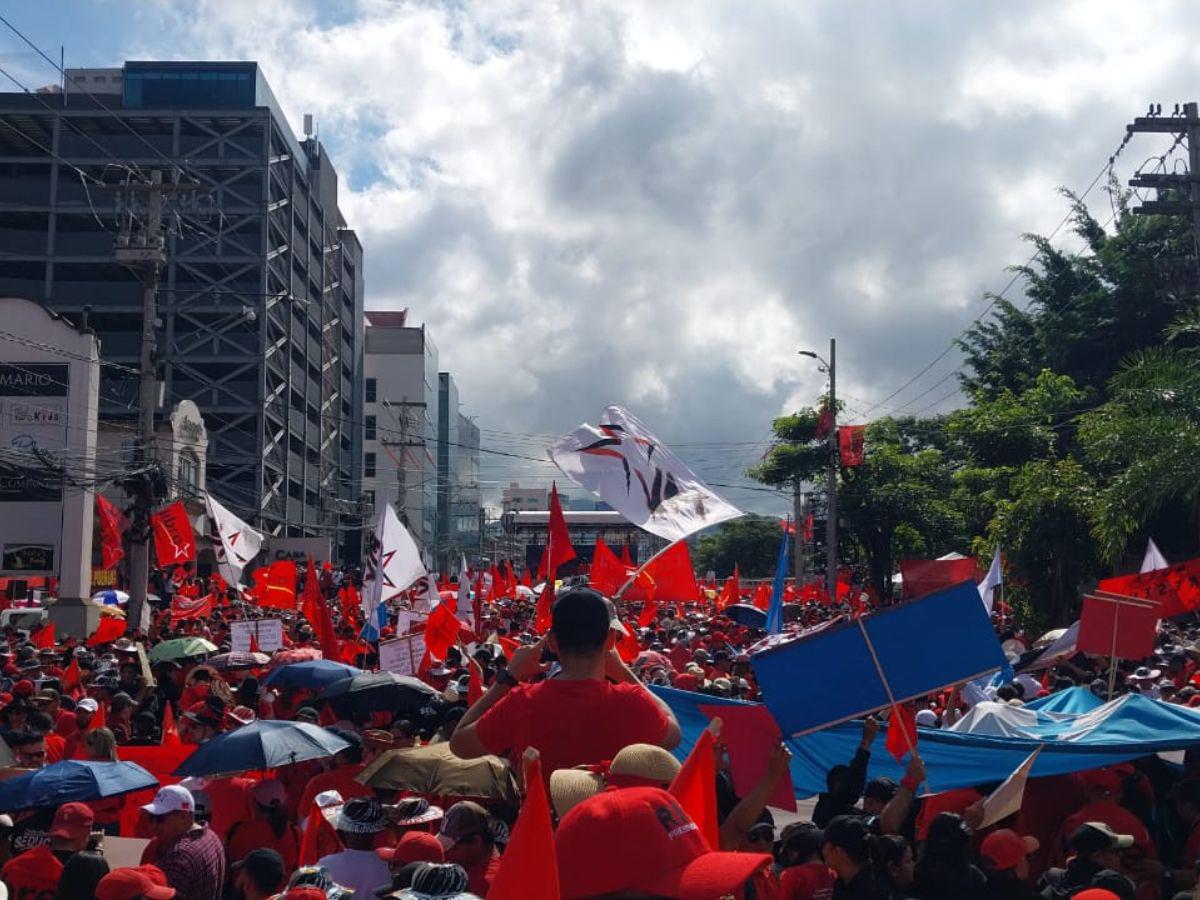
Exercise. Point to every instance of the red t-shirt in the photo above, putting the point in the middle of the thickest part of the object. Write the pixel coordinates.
(571, 722)
(1191, 849)
(257, 832)
(34, 875)
(480, 877)
(340, 779)
(808, 881)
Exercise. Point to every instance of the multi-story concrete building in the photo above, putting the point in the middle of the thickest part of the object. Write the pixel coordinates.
(516, 498)
(260, 302)
(400, 416)
(459, 499)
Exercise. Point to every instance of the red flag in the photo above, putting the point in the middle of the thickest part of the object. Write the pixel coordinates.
(731, 591)
(170, 734)
(529, 867)
(510, 579)
(695, 787)
(1126, 625)
(627, 646)
(70, 675)
(174, 542)
(441, 631)
(902, 731)
(671, 575)
(608, 574)
(99, 719)
(545, 607)
(509, 645)
(112, 526)
(649, 613)
(762, 596)
(808, 527)
(43, 638)
(109, 630)
(924, 576)
(319, 838)
(316, 610)
(1176, 588)
(183, 608)
(852, 444)
(526, 581)
(280, 589)
(626, 557)
(558, 539)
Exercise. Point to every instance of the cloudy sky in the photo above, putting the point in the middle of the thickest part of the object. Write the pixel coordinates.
(658, 203)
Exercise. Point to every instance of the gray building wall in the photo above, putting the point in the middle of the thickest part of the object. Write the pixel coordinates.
(261, 299)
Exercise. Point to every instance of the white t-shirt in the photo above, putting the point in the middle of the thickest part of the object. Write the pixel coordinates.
(361, 870)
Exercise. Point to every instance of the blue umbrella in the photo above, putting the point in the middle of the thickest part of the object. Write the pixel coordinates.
(70, 780)
(745, 614)
(263, 744)
(313, 674)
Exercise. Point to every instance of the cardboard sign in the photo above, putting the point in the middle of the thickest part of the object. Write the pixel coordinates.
(123, 852)
(405, 619)
(402, 655)
(1006, 799)
(267, 633)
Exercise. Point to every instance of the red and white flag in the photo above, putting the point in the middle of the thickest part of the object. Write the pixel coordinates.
(234, 542)
(625, 465)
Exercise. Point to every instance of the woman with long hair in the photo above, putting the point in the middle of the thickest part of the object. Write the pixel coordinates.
(945, 870)
(80, 875)
(100, 745)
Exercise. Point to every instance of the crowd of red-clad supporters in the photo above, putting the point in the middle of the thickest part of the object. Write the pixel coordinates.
(577, 695)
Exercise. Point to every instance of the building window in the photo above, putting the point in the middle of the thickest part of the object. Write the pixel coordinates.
(189, 473)
(369, 465)
(369, 430)
(371, 388)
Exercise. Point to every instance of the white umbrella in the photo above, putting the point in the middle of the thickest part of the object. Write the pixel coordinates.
(108, 597)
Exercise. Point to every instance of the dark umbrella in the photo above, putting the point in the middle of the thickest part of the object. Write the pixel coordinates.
(745, 614)
(372, 691)
(315, 673)
(263, 744)
(71, 780)
(238, 659)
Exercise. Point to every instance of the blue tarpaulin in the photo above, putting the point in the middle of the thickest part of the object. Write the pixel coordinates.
(1073, 700)
(1124, 729)
(830, 675)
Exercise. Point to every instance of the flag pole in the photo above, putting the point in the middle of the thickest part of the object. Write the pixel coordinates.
(887, 687)
(1112, 660)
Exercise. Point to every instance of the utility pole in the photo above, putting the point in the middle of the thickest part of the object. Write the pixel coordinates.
(1178, 195)
(145, 253)
(831, 513)
(798, 534)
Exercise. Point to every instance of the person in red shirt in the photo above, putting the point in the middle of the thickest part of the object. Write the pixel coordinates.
(467, 837)
(805, 876)
(578, 717)
(34, 875)
(1101, 787)
(340, 778)
(269, 826)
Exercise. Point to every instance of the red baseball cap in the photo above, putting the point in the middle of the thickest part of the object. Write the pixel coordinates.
(305, 892)
(1101, 779)
(72, 821)
(414, 846)
(1095, 894)
(131, 884)
(1005, 848)
(641, 839)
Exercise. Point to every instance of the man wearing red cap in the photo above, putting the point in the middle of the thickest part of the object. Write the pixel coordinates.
(131, 884)
(36, 873)
(640, 841)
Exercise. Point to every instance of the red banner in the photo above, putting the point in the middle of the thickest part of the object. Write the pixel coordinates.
(1124, 626)
(607, 573)
(277, 587)
(112, 526)
(852, 444)
(924, 576)
(191, 608)
(174, 542)
(1176, 588)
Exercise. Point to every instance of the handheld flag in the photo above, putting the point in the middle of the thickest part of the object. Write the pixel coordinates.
(112, 527)
(234, 542)
(902, 731)
(529, 867)
(993, 580)
(695, 787)
(635, 473)
(393, 565)
(558, 539)
(174, 542)
(775, 609)
(1151, 562)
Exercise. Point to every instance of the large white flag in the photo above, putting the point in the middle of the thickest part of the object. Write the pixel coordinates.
(993, 580)
(635, 473)
(234, 542)
(393, 565)
(1153, 559)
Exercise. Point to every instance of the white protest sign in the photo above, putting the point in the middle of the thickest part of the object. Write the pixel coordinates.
(267, 633)
(402, 655)
(1006, 799)
(405, 619)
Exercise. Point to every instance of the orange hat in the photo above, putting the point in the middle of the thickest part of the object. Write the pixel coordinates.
(1005, 848)
(131, 884)
(72, 821)
(415, 846)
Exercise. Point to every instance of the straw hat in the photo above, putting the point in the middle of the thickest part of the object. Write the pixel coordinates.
(638, 765)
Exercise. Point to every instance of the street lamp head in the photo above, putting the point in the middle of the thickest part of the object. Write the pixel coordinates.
(808, 353)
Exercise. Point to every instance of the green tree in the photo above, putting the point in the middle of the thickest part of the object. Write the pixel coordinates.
(751, 542)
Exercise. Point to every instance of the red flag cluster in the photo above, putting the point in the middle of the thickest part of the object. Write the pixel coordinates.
(112, 526)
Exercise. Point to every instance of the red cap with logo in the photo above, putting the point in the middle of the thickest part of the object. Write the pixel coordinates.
(72, 821)
(641, 839)
(131, 884)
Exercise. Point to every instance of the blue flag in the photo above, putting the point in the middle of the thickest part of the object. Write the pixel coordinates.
(775, 610)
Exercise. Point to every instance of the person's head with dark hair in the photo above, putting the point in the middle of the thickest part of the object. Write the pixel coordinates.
(1007, 692)
(450, 721)
(847, 847)
(1187, 800)
(80, 875)
(897, 861)
(579, 626)
(799, 844)
(352, 754)
(29, 749)
(40, 722)
(258, 875)
(837, 777)
(1114, 881)
(877, 794)
(944, 869)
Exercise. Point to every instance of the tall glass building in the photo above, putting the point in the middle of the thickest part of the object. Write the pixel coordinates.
(261, 299)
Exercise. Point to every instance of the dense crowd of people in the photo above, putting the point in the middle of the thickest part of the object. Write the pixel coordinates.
(578, 693)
